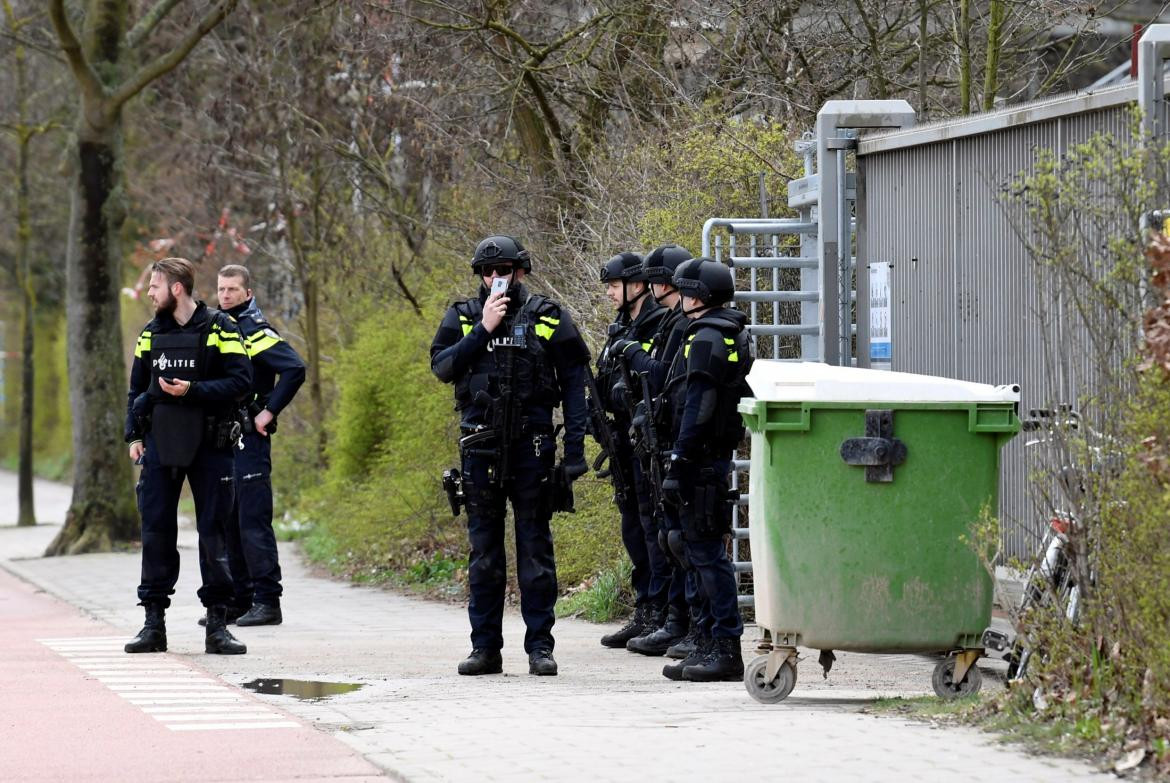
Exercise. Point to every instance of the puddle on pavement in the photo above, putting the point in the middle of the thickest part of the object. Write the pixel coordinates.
(306, 690)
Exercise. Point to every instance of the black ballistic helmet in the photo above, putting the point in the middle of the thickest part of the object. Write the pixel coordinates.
(500, 249)
(623, 266)
(661, 264)
(706, 280)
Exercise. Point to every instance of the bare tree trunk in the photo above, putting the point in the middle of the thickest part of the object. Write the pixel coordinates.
(102, 510)
(963, 43)
(308, 281)
(923, 30)
(28, 309)
(995, 25)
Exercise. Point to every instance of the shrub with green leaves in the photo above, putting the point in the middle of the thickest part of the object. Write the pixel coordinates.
(393, 433)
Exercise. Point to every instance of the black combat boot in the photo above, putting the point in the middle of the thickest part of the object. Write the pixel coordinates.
(723, 664)
(219, 639)
(672, 630)
(686, 645)
(699, 653)
(153, 636)
(261, 614)
(640, 622)
(482, 661)
(233, 614)
(540, 661)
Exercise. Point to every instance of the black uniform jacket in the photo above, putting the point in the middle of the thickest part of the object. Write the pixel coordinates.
(226, 376)
(271, 357)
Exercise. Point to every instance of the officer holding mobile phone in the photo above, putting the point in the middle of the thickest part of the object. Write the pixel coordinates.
(513, 357)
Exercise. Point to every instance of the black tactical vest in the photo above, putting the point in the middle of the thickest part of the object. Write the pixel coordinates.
(516, 356)
(730, 377)
(177, 428)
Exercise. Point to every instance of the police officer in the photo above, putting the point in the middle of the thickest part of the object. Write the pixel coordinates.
(253, 556)
(513, 356)
(706, 381)
(190, 371)
(637, 321)
(677, 636)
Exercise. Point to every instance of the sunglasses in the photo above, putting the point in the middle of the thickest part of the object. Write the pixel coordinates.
(496, 270)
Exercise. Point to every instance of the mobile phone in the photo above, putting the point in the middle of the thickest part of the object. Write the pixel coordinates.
(499, 285)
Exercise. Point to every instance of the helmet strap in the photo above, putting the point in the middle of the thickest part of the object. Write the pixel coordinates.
(626, 300)
(670, 290)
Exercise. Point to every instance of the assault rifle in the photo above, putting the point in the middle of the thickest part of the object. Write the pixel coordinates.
(602, 429)
(646, 440)
(505, 407)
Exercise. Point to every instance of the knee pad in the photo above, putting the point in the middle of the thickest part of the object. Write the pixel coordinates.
(678, 547)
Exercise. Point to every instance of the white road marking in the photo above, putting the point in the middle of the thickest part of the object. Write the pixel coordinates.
(181, 699)
(203, 685)
(124, 679)
(283, 724)
(164, 688)
(259, 709)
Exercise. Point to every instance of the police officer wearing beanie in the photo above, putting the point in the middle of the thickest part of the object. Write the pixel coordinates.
(637, 321)
(513, 357)
(190, 371)
(678, 635)
(278, 373)
(704, 386)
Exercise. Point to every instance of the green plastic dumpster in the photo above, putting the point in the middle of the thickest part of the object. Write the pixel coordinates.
(864, 486)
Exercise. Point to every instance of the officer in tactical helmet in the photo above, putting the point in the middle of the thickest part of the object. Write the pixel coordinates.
(513, 357)
(637, 321)
(677, 636)
(704, 386)
(190, 371)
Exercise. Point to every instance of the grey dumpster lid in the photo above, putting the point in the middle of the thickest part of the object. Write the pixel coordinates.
(774, 381)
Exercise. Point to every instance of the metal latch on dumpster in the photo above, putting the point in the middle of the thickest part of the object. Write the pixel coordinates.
(879, 451)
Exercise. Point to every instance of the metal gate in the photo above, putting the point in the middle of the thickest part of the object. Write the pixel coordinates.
(798, 276)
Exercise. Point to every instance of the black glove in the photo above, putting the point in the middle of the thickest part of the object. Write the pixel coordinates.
(575, 468)
(623, 346)
(680, 473)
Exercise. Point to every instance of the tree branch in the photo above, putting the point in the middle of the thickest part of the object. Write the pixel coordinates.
(168, 62)
(148, 22)
(91, 86)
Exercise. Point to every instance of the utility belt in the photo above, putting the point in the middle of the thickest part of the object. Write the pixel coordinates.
(222, 432)
(482, 441)
(525, 430)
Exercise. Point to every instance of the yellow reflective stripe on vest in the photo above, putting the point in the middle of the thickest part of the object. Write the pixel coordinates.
(142, 346)
(225, 342)
(547, 326)
(260, 342)
(646, 346)
(687, 347)
(466, 324)
(732, 356)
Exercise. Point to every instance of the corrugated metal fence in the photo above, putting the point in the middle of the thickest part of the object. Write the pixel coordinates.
(965, 299)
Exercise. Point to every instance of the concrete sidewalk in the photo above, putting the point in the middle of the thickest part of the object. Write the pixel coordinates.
(610, 715)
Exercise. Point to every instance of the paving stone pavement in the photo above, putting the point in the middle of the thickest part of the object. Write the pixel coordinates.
(609, 715)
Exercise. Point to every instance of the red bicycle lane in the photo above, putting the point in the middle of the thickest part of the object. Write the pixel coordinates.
(73, 706)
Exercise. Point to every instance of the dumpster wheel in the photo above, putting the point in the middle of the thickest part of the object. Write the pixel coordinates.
(944, 683)
(776, 689)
